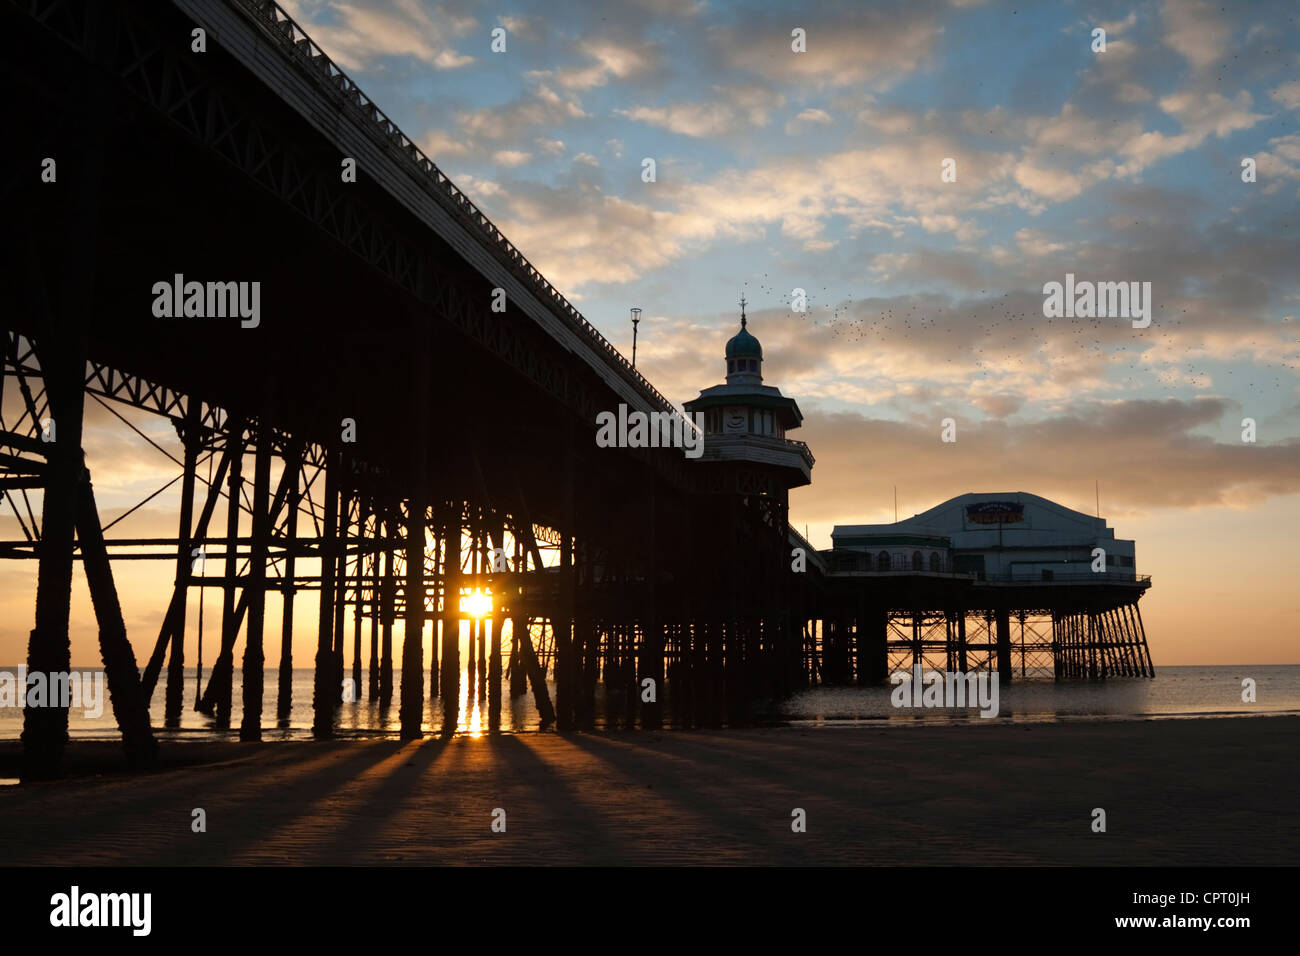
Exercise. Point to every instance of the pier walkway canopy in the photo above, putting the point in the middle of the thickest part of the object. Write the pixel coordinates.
(1003, 580)
(1007, 536)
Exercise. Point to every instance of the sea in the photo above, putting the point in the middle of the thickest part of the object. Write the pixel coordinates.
(1180, 693)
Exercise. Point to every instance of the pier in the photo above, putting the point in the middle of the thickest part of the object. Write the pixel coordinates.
(373, 435)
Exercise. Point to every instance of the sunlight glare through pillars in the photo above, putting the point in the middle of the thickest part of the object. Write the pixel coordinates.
(477, 604)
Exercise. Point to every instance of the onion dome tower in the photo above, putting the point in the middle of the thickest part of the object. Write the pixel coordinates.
(745, 471)
(745, 423)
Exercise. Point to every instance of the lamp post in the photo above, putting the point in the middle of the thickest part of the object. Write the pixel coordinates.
(636, 318)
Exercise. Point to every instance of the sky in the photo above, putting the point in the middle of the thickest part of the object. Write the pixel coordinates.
(820, 171)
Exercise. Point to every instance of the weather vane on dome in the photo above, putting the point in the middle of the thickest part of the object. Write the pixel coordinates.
(742, 310)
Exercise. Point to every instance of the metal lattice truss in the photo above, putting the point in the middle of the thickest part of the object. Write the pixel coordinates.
(215, 436)
(207, 110)
(1103, 643)
(932, 641)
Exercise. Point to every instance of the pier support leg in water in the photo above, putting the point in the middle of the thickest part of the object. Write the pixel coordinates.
(1004, 645)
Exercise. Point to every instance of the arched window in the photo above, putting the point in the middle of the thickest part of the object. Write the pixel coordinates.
(731, 366)
(882, 561)
(936, 563)
(917, 564)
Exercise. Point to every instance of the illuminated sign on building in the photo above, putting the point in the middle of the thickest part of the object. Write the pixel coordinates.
(995, 512)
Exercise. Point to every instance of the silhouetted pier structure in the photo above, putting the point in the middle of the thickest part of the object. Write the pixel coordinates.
(1009, 581)
(876, 623)
(378, 436)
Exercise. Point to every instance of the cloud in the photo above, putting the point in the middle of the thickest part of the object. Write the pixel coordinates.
(496, 133)
(892, 187)
(1134, 149)
(437, 144)
(1279, 162)
(1202, 114)
(1288, 94)
(1118, 26)
(1150, 454)
(806, 119)
(1199, 114)
(540, 107)
(355, 34)
(511, 157)
(1055, 184)
(1000, 405)
(732, 109)
(1198, 30)
(1075, 131)
(849, 45)
(606, 60)
(525, 28)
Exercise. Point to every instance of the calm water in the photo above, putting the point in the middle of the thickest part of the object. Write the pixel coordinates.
(1176, 692)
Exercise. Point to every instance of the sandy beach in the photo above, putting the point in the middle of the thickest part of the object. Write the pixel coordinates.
(1210, 791)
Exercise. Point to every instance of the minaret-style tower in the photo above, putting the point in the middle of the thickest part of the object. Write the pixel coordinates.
(745, 423)
(745, 472)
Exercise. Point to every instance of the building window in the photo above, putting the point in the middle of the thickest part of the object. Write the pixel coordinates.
(882, 561)
(917, 564)
(936, 563)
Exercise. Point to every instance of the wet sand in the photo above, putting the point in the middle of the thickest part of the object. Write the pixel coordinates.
(1214, 791)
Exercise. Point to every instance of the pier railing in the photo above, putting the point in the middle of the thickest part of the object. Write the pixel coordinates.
(1098, 577)
(861, 564)
(297, 44)
(803, 449)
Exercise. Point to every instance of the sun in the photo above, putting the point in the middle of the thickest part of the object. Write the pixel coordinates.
(477, 604)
